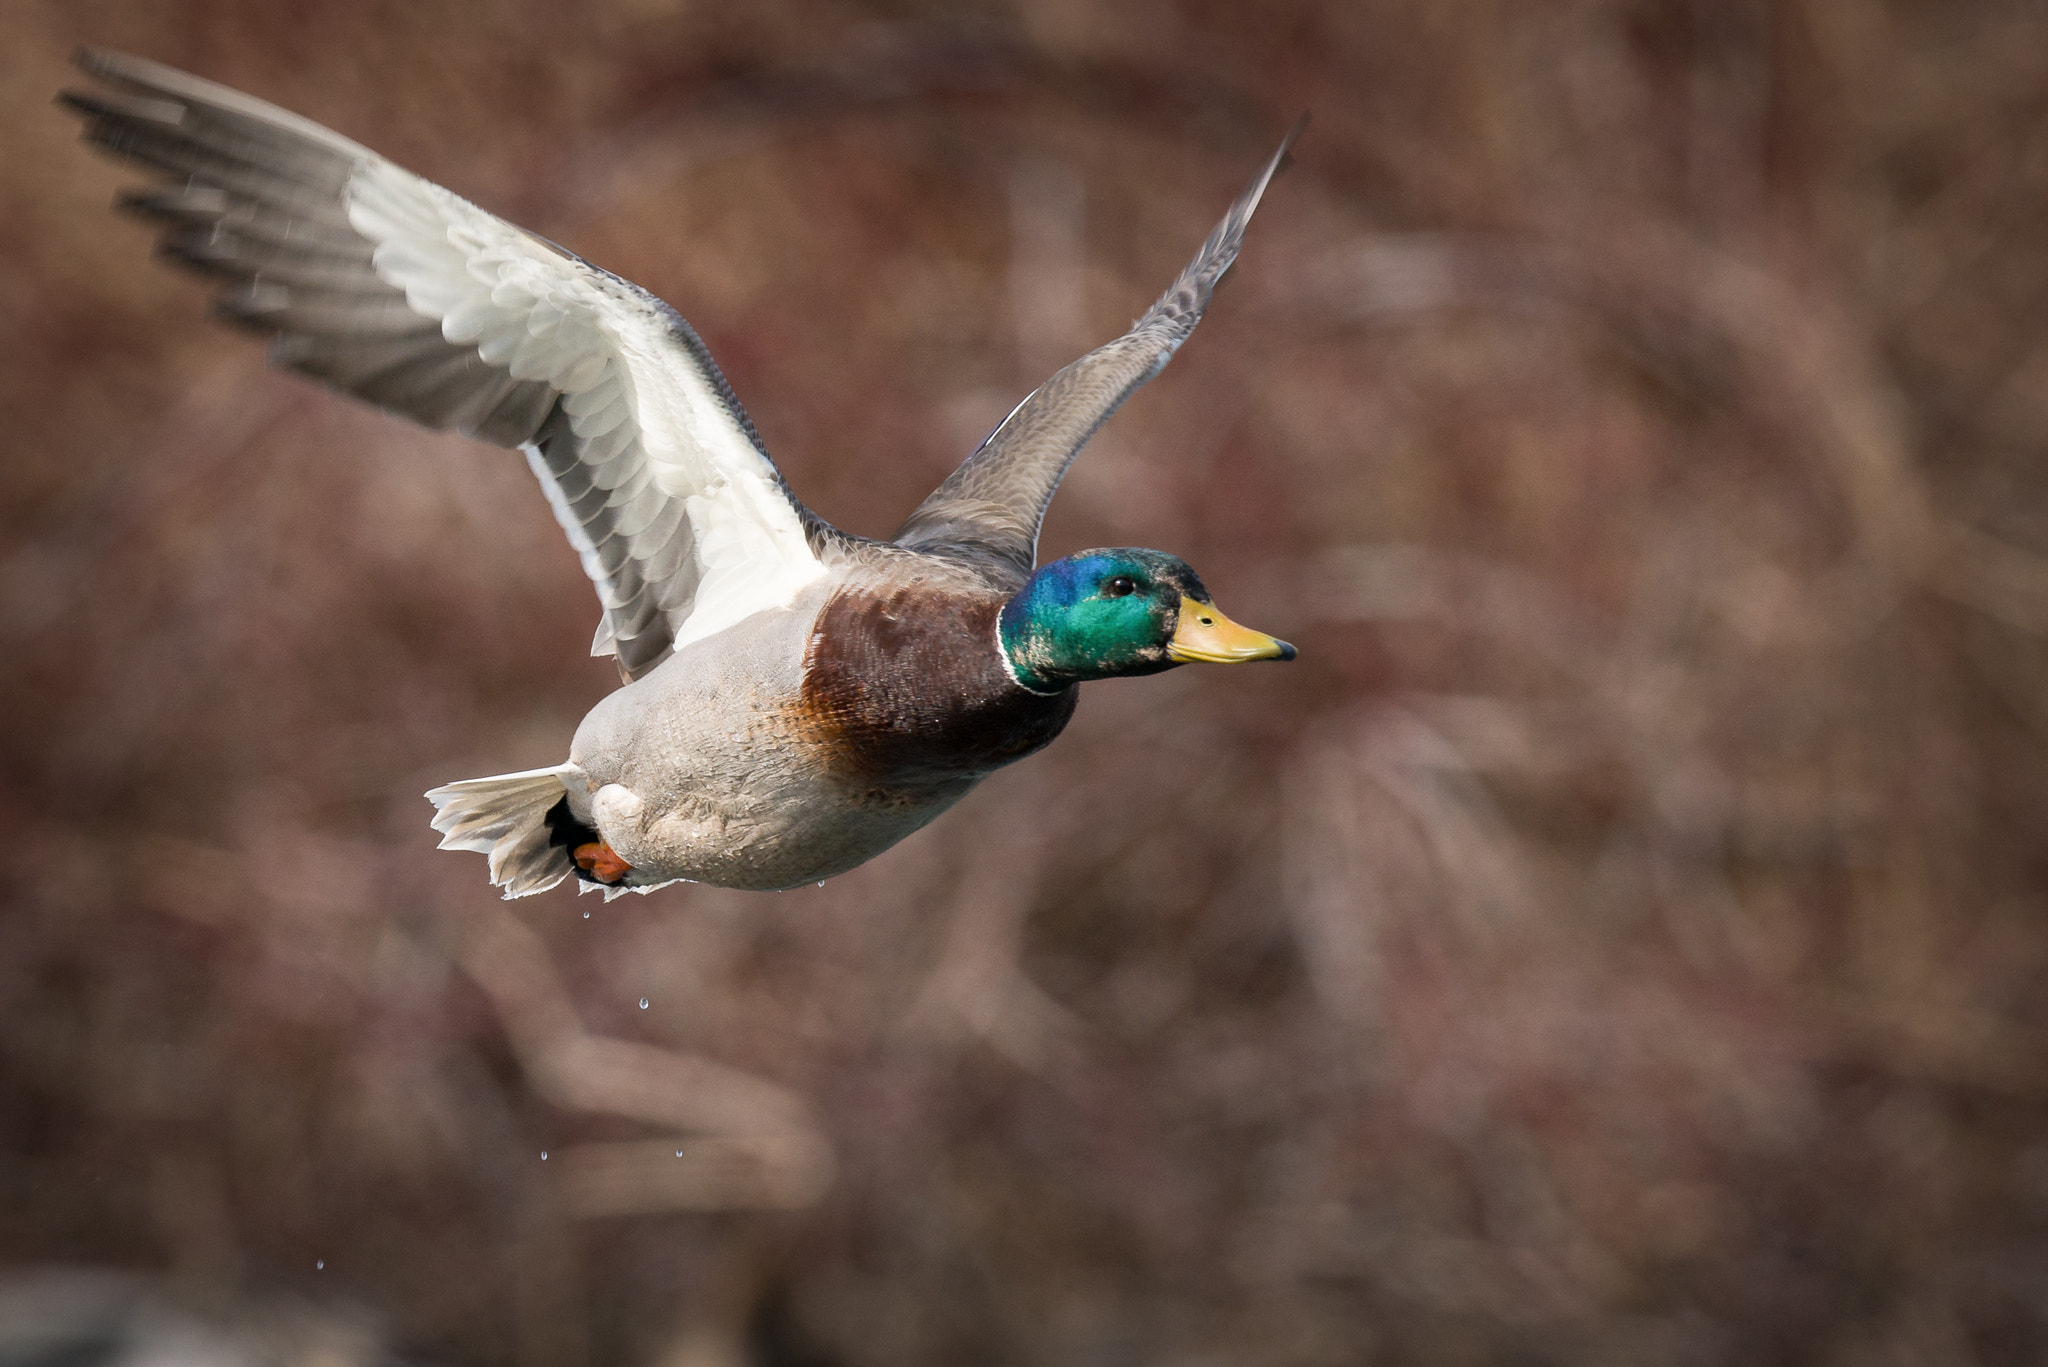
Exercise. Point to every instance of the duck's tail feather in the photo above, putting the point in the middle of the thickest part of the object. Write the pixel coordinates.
(522, 821)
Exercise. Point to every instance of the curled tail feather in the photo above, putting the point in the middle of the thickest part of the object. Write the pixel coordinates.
(522, 821)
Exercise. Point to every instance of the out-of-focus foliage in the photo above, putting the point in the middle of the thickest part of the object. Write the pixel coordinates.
(1619, 939)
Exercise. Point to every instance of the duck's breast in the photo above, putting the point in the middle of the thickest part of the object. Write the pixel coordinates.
(902, 691)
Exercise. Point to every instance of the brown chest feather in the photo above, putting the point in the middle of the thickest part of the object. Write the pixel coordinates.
(904, 687)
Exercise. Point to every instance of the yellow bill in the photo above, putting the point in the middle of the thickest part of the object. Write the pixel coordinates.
(1206, 634)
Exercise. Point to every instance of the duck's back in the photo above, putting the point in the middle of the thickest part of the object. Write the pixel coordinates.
(802, 742)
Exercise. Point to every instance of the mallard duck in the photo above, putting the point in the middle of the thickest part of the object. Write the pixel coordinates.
(795, 699)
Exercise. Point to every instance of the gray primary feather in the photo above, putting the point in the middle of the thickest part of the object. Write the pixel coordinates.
(991, 507)
(263, 206)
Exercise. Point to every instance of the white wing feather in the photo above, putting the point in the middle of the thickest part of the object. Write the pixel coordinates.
(393, 289)
(633, 408)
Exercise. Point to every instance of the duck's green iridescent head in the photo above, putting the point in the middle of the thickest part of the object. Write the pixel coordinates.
(1109, 613)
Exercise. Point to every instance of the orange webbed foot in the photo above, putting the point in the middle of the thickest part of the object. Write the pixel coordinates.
(600, 861)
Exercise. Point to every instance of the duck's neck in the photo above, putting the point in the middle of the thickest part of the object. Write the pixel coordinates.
(1014, 654)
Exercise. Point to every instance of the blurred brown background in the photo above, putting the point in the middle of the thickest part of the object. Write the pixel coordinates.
(1620, 939)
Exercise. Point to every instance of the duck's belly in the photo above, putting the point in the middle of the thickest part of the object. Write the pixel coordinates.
(759, 837)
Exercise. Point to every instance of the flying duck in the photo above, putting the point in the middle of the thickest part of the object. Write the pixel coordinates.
(795, 699)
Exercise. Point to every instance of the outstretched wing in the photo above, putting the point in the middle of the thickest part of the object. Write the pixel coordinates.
(992, 505)
(392, 289)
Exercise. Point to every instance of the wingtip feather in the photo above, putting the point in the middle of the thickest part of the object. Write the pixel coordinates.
(125, 68)
(1285, 157)
(1282, 158)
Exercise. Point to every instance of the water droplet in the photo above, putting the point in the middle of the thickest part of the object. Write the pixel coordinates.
(586, 916)
(319, 1264)
(543, 1155)
(679, 1153)
(821, 885)
(643, 1003)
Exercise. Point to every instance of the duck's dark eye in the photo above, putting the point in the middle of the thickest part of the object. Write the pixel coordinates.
(1123, 586)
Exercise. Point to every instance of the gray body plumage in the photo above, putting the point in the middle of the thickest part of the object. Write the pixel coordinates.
(711, 574)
